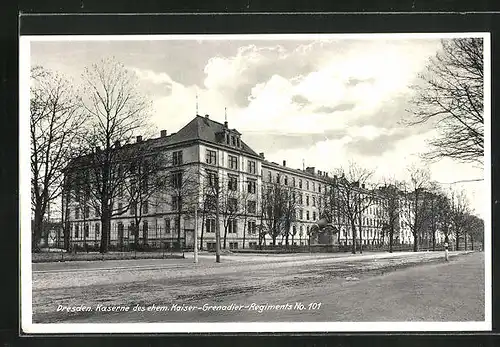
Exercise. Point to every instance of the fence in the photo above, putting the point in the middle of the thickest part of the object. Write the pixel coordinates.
(348, 248)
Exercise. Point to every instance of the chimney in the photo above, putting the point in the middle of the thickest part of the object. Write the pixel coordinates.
(117, 144)
(225, 124)
(326, 174)
(261, 154)
(206, 116)
(163, 133)
(139, 139)
(284, 162)
(319, 172)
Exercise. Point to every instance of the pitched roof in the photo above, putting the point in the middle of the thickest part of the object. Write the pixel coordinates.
(205, 129)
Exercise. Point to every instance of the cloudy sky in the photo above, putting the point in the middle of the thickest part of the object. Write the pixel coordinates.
(326, 101)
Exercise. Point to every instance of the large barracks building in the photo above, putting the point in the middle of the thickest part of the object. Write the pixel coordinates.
(211, 149)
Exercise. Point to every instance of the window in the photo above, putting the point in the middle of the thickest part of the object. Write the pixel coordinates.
(212, 178)
(120, 208)
(211, 157)
(175, 203)
(314, 185)
(277, 178)
(301, 200)
(167, 225)
(286, 181)
(251, 186)
(269, 177)
(177, 179)
(210, 225)
(314, 201)
(86, 230)
(252, 227)
(133, 208)
(238, 142)
(314, 215)
(251, 167)
(77, 230)
(77, 213)
(319, 188)
(300, 184)
(252, 206)
(307, 215)
(87, 211)
(232, 226)
(232, 204)
(252, 244)
(177, 158)
(294, 230)
(293, 181)
(307, 200)
(307, 185)
(301, 214)
(233, 245)
(227, 139)
(96, 228)
(211, 246)
(145, 207)
(233, 162)
(233, 183)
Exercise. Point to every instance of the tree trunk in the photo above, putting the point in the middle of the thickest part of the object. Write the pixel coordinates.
(353, 238)
(360, 240)
(244, 231)
(37, 229)
(465, 239)
(457, 238)
(287, 229)
(472, 243)
(106, 225)
(179, 229)
(391, 238)
(202, 229)
(225, 235)
(434, 240)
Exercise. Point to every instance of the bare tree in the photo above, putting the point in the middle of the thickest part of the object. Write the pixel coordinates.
(183, 187)
(459, 216)
(353, 197)
(147, 177)
(415, 203)
(452, 97)
(279, 209)
(475, 226)
(290, 207)
(55, 126)
(390, 195)
(115, 110)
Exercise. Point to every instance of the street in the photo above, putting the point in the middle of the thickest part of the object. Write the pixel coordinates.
(331, 287)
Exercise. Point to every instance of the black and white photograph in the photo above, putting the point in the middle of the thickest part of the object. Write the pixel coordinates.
(255, 183)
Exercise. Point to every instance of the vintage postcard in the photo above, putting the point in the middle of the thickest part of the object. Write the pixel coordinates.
(255, 183)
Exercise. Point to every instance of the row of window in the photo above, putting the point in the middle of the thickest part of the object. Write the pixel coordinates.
(284, 179)
(211, 158)
(231, 225)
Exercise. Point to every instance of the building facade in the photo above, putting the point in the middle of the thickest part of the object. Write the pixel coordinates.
(208, 161)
